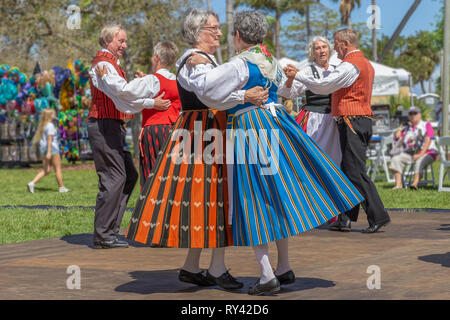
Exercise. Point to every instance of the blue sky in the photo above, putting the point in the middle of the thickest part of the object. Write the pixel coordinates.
(392, 11)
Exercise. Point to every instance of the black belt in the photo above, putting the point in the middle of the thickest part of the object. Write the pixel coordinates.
(318, 109)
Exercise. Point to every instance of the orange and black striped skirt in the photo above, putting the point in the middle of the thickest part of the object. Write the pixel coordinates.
(184, 202)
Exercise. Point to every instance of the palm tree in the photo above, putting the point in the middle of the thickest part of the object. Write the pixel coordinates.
(374, 34)
(229, 10)
(346, 8)
(279, 7)
(399, 29)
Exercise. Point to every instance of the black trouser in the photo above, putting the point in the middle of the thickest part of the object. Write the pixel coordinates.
(353, 164)
(116, 173)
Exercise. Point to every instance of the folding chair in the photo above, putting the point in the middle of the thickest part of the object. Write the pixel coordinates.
(408, 174)
(373, 155)
(444, 146)
(386, 146)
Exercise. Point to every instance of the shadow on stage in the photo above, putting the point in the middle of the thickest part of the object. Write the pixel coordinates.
(86, 239)
(442, 259)
(166, 281)
(445, 227)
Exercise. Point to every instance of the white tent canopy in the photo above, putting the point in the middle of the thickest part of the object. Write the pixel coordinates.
(386, 81)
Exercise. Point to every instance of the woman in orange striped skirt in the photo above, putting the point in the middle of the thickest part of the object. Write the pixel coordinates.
(184, 203)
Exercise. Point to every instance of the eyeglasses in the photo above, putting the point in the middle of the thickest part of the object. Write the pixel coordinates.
(412, 113)
(215, 29)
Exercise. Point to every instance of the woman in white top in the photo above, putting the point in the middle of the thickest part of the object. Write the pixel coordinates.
(318, 122)
(47, 138)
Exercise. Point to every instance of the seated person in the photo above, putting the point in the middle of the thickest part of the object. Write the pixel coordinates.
(417, 147)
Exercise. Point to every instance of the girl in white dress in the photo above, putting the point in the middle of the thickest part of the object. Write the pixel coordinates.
(47, 138)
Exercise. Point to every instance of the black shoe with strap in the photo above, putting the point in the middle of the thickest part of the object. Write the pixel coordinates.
(225, 281)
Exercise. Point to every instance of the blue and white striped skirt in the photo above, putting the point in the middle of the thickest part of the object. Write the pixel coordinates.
(283, 183)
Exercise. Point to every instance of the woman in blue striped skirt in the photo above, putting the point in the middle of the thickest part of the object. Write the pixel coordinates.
(283, 183)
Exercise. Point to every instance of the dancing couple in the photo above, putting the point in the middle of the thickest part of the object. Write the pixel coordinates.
(198, 204)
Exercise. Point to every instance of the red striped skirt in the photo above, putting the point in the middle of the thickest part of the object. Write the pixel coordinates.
(151, 141)
(184, 202)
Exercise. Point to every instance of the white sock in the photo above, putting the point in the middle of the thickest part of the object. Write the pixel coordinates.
(217, 265)
(192, 263)
(31, 186)
(262, 256)
(283, 256)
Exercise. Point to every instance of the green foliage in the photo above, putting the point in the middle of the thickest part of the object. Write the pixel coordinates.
(278, 8)
(419, 54)
(405, 102)
(37, 30)
(323, 22)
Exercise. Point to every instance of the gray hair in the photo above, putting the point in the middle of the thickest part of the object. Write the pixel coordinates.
(107, 34)
(252, 26)
(349, 35)
(310, 47)
(167, 52)
(194, 20)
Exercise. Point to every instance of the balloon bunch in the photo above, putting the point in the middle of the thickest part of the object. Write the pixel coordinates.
(69, 134)
(23, 98)
(81, 75)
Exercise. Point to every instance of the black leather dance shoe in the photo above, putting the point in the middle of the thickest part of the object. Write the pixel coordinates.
(268, 287)
(286, 278)
(109, 244)
(196, 278)
(376, 227)
(225, 281)
(343, 224)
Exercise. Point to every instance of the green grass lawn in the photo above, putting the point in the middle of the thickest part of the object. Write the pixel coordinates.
(19, 224)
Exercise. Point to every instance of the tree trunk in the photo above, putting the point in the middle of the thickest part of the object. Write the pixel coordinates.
(374, 33)
(277, 34)
(308, 24)
(398, 30)
(422, 86)
(229, 11)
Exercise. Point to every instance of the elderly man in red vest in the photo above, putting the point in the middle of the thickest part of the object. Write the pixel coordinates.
(351, 87)
(156, 120)
(110, 110)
